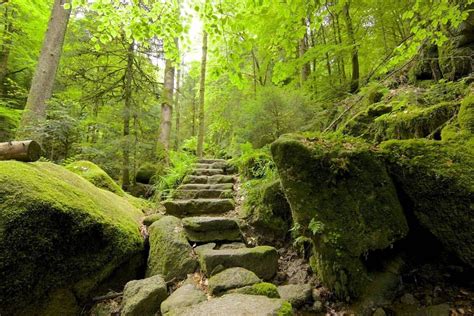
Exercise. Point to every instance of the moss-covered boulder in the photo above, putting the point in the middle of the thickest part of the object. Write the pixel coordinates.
(466, 113)
(438, 179)
(230, 279)
(184, 296)
(148, 172)
(171, 255)
(94, 174)
(267, 210)
(341, 197)
(59, 234)
(9, 119)
(262, 288)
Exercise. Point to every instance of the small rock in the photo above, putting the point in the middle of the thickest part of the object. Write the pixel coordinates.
(150, 219)
(230, 279)
(408, 299)
(143, 297)
(184, 296)
(296, 294)
(266, 289)
(318, 306)
(234, 245)
(379, 312)
(316, 293)
(200, 248)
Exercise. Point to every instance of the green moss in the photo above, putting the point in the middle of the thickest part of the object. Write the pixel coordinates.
(148, 172)
(58, 230)
(466, 114)
(266, 208)
(438, 178)
(266, 289)
(414, 122)
(94, 174)
(342, 184)
(286, 309)
(361, 124)
(9, 120)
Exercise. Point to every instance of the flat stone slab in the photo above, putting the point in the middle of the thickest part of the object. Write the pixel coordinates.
(296, 294)
(182, 208)
(237, 305)
(211, 161)
(205, 186)
(207, 229)
(207, 172)
(208, 179)
(184, 296)
(262, 260)
(231, 279)
(203, 194)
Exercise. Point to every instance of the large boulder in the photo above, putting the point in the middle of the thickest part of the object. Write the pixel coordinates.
(94, 174)
(143, 297)
(341, 197)
(60, 236)
(171, 255)
(437, 179)
(237, 305)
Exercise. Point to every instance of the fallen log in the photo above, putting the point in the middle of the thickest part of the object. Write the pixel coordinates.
(27, 151)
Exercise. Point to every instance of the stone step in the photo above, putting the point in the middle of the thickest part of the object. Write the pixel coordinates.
(235, 305)
(211, 161)
(208, 229)
(262, 260)
(205, 186)
(202, 194)
(207, 172)
(208, 179)
(182, 208)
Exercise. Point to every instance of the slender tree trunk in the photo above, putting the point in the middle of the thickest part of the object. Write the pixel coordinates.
(355, 50)
(126, 119)
(166, 105)
(43, 80)
(193, 130)
(177, 109)
(6, 48)
(302, 48)
(328, 60)
(202, 87)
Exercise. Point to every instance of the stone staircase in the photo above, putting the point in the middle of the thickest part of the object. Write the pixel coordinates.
(203, 234)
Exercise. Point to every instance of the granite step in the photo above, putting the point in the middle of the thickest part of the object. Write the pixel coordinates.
(208, 179)
(181, 208)
(202, 194)
(206, 186)
(209, 229)
(207, 172)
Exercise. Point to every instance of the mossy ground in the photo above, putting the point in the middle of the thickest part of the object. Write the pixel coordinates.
(343, 199)
(58, 230)
(94, 174)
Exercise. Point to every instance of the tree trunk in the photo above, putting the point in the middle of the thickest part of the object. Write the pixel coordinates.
(6, 48)
(328, 60)
(177, 109)
(302, 48)
(355, 50)
(202, 90)
(126, 119)
(166, 105)
(27, 151)
(42, 84)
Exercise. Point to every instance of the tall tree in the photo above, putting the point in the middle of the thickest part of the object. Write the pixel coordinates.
(355, 49)
(126, 117)
(43, 79)
(166, 104)
(202, 90)
(178, 108)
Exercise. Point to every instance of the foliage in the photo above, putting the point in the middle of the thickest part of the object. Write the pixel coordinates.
(180, 164)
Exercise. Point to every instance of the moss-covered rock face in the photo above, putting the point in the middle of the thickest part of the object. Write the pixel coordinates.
(466, 114)
(147, 172)
(9, 119)
(94, 174)
(343, 199)
(58, 231)
(438, 178)
(267, 209)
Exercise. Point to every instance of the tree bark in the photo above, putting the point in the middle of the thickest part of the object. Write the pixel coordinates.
(202, 87)
(126, 118)
(302, 48)
(355, 50)
(177, 109)
(166, 105)
(6, 48)
(27, 151)
(42, 84)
